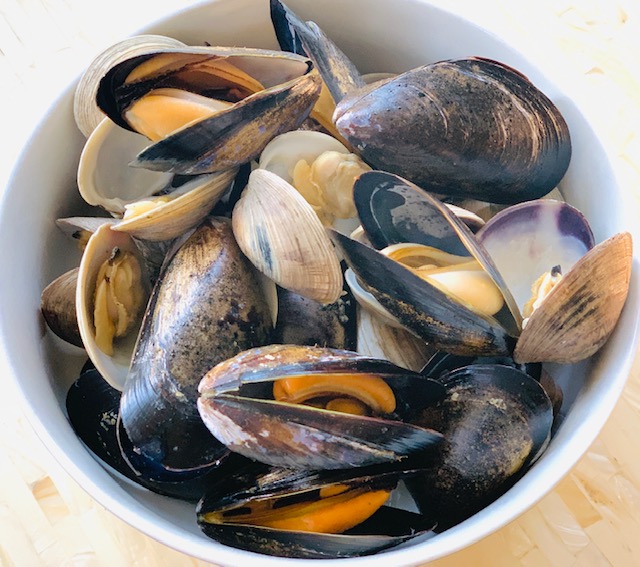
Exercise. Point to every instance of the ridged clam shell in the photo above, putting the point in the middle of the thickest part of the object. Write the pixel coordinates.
(283, 237)
(581, 311)
(175, 217)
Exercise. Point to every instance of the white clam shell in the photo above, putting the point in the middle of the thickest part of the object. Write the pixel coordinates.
(283, 237)
(282, 153)
(105, 178)
(114, 369)
(175, 217)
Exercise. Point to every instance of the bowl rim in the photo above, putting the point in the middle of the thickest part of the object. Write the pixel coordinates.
(98, 486)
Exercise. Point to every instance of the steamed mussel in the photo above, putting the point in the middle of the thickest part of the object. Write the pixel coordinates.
(263, 202)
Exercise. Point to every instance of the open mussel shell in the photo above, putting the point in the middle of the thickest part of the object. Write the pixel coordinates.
(225, 514)
(104, 247)
(105, 177)
(467, 127)
(393, 210)
(496, 421)
(282, 236)
(423, 309)
(190, 201)
(206, 306)
(237, 404)
(279, 91)
(92, 407)
(85, 110)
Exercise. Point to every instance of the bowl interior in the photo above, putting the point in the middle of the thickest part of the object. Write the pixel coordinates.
(379, 36)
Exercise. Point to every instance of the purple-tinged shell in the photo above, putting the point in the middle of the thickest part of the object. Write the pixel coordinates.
(528, 239)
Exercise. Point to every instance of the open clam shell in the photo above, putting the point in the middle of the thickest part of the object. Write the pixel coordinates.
(282, 236)
(188, 205)
(237, 404)
(103, 246)
(105, 177)
(579, 313)
(276, 92)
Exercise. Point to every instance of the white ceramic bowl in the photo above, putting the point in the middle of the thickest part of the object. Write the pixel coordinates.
(378, 35)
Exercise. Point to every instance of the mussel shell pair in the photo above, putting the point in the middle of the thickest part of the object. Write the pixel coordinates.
(496, 421)
(206, 306)
(388, 527)
(230, 137)
(470, 127)
(237, 405)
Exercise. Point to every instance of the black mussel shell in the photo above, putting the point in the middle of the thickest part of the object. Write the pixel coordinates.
(237, 405)
(92, 406)
(306, 38)
(206, 307)
(303, 321)
(420, 307)
(442, 362)
(496, 421)
(387, 528)
(467, 127)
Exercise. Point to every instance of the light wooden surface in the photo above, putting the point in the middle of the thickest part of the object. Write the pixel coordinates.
(591, 518)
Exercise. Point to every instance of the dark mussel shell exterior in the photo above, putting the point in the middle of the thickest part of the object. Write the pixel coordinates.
(306, 38)
(206, 307)
(237, 405)
(496, 421)
(466, 127)
(228, 138)
(442, 363)
(92, 406)
(393, 210)
(421, 308)
(303, 321)
(387, 528)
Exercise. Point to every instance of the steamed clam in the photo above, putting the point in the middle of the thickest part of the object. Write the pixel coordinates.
(111, 294)
(321, 168)
(282, 236)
